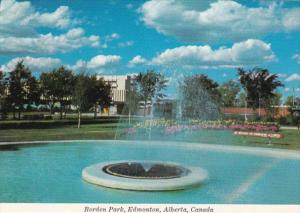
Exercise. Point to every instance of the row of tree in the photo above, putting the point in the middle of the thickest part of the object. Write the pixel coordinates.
(256, 88)
(61, 86)
(200, 95)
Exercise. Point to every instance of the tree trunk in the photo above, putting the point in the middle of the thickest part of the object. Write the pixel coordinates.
(65, 114)
(79, 119)
(14, 113)
(129, 117)
(19, 114)
(51, 108)
(145, 108)
(61, 112)
(95, 111)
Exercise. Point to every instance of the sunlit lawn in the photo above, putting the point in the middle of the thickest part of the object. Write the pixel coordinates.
(291, 138)
(70, 132)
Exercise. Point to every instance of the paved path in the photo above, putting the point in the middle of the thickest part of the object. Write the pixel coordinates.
(288, 127)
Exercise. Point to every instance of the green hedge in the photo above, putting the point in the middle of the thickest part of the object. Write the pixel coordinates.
(43, 124)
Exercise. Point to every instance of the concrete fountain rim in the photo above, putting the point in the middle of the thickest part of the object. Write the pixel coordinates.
(94, 174)
(259, 151)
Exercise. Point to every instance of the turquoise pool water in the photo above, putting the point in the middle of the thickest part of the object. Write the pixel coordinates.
(52, 173)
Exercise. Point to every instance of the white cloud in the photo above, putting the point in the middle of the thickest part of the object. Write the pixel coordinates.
(291, 19)
(111, 37)
(125, 44)
(129, 6)
(20, 18)
(137, 60)
(47, 43)
(42, 64)
(297, 58)
(212, 21)
(19, 24)
(99, 63)
(250, 52)
(282, 75)
(293, 77)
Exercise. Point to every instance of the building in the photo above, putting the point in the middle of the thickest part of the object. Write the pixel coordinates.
(120, 84)
(278, 111)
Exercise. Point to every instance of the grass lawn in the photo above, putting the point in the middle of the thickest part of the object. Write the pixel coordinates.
(291, 139)
(69, 132)
(99, 131)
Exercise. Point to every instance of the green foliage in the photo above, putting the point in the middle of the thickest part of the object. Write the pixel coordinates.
(2, 84)
(259, 85)
(283, 120)
(4, 108)
(90, 91)
(292, 101)
(150, 85)
(23, 88)
(34, 93)
(98, 92)
(57, 86)
(3, 99)
(241, 99)
(79, 98)
(132, 101)
(229, 91)
(80, 91)
(200, 97)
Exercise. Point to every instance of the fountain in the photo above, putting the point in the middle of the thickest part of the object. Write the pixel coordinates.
(144, 175)
(180, 154)
(156, 175)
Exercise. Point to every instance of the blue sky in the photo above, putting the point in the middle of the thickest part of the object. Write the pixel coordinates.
(174, 37)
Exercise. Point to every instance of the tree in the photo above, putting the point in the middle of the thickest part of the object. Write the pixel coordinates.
(18, 88)
(260, 86)
(150, 85)
(58, 86)
(199, 97)
(241, 99)
(47, 81)
(98, 93)
(229, 91)
(80, 94)
(2, 84)
(276, 99)
(292, 101)
(131, 104)
(3, 98)
(34, 91)
(275, 102)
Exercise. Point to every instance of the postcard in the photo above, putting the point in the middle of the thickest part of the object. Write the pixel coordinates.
(161, 106)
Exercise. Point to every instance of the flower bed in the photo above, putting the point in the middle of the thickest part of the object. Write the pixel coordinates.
(173, 127)
(255, 127)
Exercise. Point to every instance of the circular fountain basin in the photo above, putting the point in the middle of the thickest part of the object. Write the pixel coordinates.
(144, 175)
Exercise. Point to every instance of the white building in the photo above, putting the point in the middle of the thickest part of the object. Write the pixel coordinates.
(120, 84)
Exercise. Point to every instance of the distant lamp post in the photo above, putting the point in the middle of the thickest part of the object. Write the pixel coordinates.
(246, 103)
(296, 115)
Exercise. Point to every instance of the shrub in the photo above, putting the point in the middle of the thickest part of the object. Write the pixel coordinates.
(282, 120)
(48, 117)
(33, 117)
